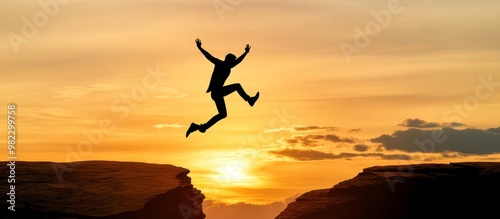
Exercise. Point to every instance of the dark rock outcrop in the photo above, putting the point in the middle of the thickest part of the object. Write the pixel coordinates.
(100, 189)
(454, 190)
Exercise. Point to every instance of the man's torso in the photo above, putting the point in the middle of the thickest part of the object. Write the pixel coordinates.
(219, 76)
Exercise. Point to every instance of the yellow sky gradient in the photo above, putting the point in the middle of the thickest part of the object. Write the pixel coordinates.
(75, 73)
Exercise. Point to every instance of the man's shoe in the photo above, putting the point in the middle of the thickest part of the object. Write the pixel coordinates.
(192, 128)
(202, 128)
(252, 100)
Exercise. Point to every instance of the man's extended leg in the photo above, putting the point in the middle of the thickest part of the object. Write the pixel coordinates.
(226, 90)
(192, 128)
(221, 108)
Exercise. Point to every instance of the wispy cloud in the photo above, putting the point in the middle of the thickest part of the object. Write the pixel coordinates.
(354, 130)
(80, 91)
(174, 125)
(168, 92)
(302, 128)
(315, 128)
(280, 129)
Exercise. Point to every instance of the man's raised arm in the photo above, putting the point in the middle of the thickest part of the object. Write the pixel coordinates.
(239, 59)
(205, 53)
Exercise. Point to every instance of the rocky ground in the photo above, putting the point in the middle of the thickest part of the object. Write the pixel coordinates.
(100, 189)
(454, 190)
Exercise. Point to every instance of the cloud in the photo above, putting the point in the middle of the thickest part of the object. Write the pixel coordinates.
(307, 155)
(467, 141)
(452, 124)
(361, 147)
(80, 91)
(160, 126)
(438, 140)
(302, 140)
(167, 92)
(335, 138)
(311, 140)
(303, 154)
(354, 130)
(419, 123)
(287, 128)
(301, 128)
(495, 130)
(315, 128)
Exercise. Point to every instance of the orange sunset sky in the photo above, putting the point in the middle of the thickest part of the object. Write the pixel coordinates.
(344, 85)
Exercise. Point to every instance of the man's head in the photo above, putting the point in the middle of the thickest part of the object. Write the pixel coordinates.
(230, 58)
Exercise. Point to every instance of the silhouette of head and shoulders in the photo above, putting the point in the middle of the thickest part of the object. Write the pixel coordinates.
(230, 59)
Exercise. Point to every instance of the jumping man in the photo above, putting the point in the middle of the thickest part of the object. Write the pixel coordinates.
(221, 71)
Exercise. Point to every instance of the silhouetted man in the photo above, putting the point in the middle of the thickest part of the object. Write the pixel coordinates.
(222, 69)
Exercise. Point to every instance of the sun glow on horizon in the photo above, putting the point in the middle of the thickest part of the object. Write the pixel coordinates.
(235, 171)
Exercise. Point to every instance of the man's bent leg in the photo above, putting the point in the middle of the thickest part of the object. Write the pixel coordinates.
(237, 87)
(228, 89)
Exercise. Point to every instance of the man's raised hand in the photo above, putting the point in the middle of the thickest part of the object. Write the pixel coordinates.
(247, 48)
(198, 42)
